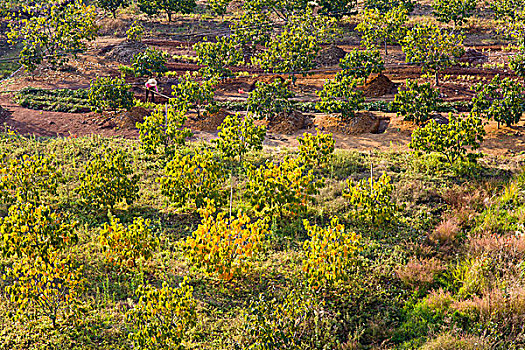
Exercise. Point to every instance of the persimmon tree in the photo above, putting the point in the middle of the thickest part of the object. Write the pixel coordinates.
(268, 100)
(387, 5)
(217, 56)
(456, 11)
(417, 102)
(432, 47)
(112, 5)
(50, 33)
(341, 96)
(361, 64)
(169, 7)
(382, 27)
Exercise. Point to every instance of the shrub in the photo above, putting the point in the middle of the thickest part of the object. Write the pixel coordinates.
(123, 245)
(110, 94)
(150, 62)
(162, 317)
(341, 96)
(225, 247)
(106, 182)
(28, 178)
(135, 32)
(315, 150)
(361, 64)
(268, 100)
(371, 201)
(387, 5)
(450, 140)
(35, 231)
(500, 99)
(49, 288)
(329, 253)
(417, 102)
(164, 130)
(280, 189)
(193, 178)
(237, 136)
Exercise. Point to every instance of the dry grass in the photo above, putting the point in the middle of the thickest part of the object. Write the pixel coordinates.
(420, 272)
(446, 232)
(449, 341)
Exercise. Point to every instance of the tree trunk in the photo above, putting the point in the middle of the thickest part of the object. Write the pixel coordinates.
(386, 49)
(169, 15)
(437, 78)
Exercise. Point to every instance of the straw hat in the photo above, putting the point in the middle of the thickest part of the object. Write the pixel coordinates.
(151, 82)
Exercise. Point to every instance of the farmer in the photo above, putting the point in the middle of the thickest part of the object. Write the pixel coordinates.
(150, 84)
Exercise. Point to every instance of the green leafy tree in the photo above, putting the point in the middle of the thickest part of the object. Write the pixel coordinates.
(283, 9)
(341, 96)
(371, 200)
(268, 100)
(192, 94)
(501, 100)
(112, 5)
(28, 178)
(110, 94)
(432, 48)
(385, 28)
(51, 288)
(106, 181)
(162, 317)
(417, 102)
(510, 15)
(280, 189)
(361, 64)
(35, 231)
(218, 7)
(169, 7)
(329, 254)
(135, 32)
(517, 64)
(250, 30)
(316, 150)
(150, 62)
(164, 130)
(216, 57)
(192, 178)
(51, 32)
(125, 245)
(238, 135)
(338, 8)
(452, 140)
(387, 5)
(456, 11)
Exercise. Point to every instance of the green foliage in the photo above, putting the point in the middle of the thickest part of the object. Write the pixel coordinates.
(456, 11)
(125, 245)
(510, 15)
(517, 64)
(153, 7)
(162, 317)
(338, 8)
(59, 100)
(329, 254)
(49, 288)
(150, 62)
(385, 28)
(164, 130)
(417, 102)
(280, 189)
(284, 9)
(432, 48)
(450, 140)
(387, 5)
(225, 247)
(193, 178)
(371, 201)
(499, 99)
(361, 64)
(250, 30)
(218, 56)
(341, 96)
(27, 178)
(112, 5)
(191, 94)
(238, 135)
(110, 94)
(35, 232)
(106, 182)
(316, 150)
(51, 32)
(135, 32)
(268, 100)
(218, 7)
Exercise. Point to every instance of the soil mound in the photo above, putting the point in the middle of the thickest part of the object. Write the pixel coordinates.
(473, 57)
(378, 86)
(123, 52)
(362, 123)
(129, 119)
(289, 123)
(210, 122)
(330, 56)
